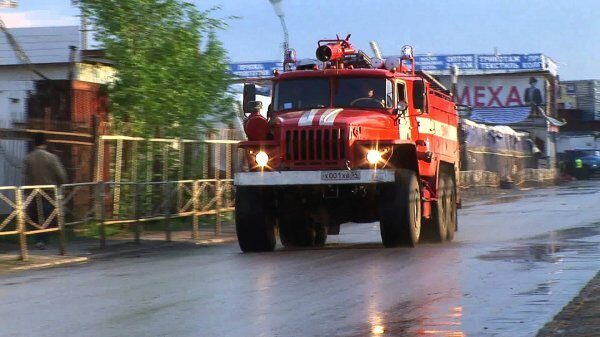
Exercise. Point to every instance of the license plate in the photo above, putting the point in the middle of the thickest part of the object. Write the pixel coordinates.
(340, 175)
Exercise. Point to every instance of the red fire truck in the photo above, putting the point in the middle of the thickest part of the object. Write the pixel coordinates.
(349, 139)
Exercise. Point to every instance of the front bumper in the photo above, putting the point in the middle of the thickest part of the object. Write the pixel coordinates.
(290, 178)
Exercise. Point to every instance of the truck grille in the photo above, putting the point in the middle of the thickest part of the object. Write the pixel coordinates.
(304, 147)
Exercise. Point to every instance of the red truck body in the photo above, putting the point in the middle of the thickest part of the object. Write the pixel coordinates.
(391, 155)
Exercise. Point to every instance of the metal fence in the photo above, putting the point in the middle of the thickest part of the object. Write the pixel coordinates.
(51, 209)
(136, 180)
(124, 158)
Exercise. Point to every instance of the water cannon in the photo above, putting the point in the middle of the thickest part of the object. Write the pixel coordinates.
(334, 50)
(256, 125)
(290, 59)
(378, 62)
(407, 53)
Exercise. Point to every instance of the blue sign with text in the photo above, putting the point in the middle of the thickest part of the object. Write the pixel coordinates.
(442, 63)
(445, 62)
(510, 62)
(255, 69)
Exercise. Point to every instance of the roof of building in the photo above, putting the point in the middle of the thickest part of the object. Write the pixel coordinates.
(41, 44)
(500, 116)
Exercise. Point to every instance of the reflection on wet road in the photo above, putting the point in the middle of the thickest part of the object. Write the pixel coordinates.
(517, 260)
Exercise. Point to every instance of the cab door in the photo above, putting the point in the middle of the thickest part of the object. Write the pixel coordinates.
(404, 124)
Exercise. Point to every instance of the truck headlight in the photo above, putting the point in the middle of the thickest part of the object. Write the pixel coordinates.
(262, 159)
(373, 157)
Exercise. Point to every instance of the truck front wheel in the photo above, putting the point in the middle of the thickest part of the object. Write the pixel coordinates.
(254, 221)
(400, 218)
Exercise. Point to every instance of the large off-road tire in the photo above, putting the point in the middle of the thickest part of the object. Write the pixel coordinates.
(400, 218)
(452, 207)
(436, 228)
(254, 221)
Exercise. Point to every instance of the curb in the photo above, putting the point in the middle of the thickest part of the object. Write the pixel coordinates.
(44, 265)
(118, 251)
(158, 246)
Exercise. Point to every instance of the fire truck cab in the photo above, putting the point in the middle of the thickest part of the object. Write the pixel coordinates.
(350, 140)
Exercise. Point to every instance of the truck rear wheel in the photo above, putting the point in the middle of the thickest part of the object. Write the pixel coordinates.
(400, 218)
(436, 228)
(452, 207)
(254, 221)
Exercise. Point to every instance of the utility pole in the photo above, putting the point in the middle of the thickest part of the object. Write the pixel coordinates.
(279, 12)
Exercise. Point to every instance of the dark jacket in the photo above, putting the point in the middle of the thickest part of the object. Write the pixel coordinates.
(43, 168)
(535, 98)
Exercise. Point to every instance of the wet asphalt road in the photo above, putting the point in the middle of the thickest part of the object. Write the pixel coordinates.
(516, 261)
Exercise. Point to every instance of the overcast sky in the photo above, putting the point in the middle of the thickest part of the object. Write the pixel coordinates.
(566, 30)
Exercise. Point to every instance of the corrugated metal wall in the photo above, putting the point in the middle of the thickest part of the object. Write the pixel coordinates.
(12, 153)
(495, 148)
(587, 94)
(13, 102)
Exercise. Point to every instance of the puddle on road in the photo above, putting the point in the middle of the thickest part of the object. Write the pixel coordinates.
(544, 288)
(551, 247)
(578, 193)
(435, 317)
(506, 196)
(24, 280)
(559, 260)
(505, 199)
(569, 249)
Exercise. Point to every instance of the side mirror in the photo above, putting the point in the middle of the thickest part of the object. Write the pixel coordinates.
(402, 107)
(249, 96)
(418, 94)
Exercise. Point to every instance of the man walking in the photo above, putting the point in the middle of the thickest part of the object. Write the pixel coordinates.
(42, 168)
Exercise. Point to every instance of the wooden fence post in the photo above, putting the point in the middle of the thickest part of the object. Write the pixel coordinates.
(137, 209)
(60, 215)
(218, 206)
(99, 197)
(167, 200)
(196, 205)
(21, 224)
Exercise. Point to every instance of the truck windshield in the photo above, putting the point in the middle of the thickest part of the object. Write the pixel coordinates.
(363, 92)
(302, 94)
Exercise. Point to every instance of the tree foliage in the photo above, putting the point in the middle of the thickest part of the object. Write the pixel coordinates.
(172, 70)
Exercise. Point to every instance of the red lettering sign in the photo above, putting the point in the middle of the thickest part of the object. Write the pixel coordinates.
(465, 98)
(495, 98)
(513, 97)
(479, 93)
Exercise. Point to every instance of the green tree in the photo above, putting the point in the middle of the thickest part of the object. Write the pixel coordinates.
(172, 70)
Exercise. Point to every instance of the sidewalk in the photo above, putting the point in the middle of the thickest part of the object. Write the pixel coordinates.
(83, 250)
